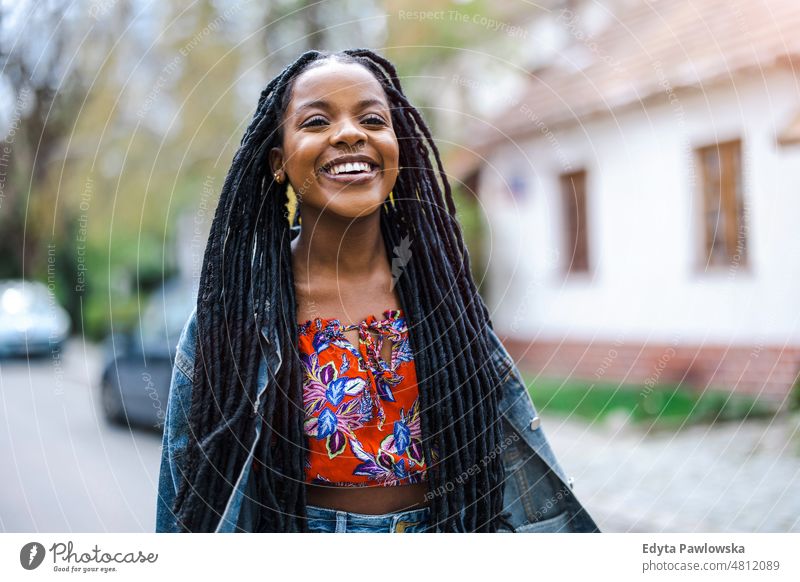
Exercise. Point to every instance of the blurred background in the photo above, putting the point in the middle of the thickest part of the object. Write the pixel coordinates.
(627, 176)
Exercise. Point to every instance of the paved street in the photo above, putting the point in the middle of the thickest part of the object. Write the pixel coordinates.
(64, 468)
(734, 477)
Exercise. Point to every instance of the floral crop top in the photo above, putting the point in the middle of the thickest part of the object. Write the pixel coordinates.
(362, 413)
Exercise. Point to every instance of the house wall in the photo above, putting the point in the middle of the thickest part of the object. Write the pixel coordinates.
(647, 285)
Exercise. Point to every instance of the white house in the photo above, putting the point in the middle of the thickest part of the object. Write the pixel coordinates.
(642, 199)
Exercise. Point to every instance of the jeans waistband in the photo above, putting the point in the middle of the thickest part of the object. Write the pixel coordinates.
(398, 521)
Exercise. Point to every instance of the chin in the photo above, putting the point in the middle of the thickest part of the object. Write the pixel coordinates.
(352, 204)
(354, 212)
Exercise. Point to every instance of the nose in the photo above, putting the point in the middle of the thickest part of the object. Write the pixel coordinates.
(348, 132)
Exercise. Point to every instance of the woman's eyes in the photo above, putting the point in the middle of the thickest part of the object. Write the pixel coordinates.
(373, 119)
(317, 121)
(311, 122)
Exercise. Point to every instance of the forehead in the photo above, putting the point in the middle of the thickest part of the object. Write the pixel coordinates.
(338, 83)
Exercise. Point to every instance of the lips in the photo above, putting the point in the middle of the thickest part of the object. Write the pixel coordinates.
(347, 159)
(351, 179)
(350, 169)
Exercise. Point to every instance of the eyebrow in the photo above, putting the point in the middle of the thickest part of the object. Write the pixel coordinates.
(322, 104)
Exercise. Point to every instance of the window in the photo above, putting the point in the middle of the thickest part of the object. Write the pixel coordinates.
(573, 193)
(724, 228)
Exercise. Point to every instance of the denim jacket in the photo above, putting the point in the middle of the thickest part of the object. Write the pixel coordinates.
(537, 493)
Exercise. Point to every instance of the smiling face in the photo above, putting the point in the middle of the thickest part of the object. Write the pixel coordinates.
(339, 150)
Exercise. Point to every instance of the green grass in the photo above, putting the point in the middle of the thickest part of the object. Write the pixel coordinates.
(662, 405)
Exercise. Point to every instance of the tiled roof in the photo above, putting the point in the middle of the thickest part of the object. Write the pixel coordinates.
(651, 46)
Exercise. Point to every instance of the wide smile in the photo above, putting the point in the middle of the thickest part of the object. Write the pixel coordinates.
(353, 177)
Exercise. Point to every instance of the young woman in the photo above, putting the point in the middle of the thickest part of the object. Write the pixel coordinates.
(340, 372)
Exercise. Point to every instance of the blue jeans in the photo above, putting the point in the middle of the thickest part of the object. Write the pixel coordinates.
(325, 520)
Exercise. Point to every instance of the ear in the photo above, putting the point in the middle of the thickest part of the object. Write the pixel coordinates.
(275, 159)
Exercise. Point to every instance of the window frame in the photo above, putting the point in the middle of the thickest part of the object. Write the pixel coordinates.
(732, 201)
(573, 235)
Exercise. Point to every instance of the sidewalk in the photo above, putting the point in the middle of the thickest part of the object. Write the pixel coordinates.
(732, 477)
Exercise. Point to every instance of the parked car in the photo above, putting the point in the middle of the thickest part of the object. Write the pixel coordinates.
(137, 370)
(31, 320)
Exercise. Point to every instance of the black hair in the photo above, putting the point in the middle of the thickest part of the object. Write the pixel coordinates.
(246, 311)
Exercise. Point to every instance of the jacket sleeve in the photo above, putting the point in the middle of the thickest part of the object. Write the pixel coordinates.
(176, 430)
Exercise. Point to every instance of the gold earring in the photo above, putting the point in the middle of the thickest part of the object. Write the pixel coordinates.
(278, 178)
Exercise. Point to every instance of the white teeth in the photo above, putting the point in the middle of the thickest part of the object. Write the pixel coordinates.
(350, 167)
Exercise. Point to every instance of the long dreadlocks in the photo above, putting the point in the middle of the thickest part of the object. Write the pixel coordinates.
(247, 295)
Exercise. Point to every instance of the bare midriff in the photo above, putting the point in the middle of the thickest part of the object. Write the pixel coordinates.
(368, 500)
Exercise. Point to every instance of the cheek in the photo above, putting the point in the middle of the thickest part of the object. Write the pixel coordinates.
(301, 153)
(391, 151)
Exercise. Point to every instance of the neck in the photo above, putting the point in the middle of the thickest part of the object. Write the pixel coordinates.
(331, 246)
